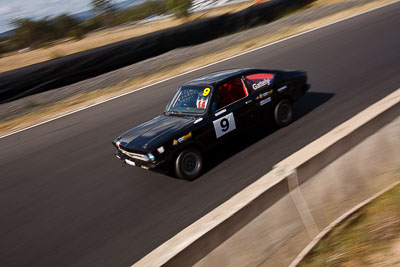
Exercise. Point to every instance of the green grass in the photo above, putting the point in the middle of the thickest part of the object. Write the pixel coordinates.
(56, 54)
(34, 104)
(363, 238)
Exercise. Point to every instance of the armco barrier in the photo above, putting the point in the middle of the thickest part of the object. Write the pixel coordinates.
(272, 220)
(80, 66)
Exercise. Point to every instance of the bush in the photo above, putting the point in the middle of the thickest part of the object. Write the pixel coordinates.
(76, 33)
(56, 54)
(142, 11)
(180, 8)
(3, 49)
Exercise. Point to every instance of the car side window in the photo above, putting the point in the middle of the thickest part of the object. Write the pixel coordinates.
(230, 92)
(259, 80)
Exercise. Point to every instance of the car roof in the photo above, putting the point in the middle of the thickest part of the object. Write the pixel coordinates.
(216, 77)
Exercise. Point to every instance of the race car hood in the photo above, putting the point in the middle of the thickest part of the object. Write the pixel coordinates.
(154, 133)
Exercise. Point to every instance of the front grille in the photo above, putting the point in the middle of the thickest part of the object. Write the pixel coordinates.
(135, 155)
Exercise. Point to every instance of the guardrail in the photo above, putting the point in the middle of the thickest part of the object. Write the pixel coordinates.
(83, 65)
(271, 221)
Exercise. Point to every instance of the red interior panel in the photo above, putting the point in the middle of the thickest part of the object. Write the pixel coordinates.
(231, 92)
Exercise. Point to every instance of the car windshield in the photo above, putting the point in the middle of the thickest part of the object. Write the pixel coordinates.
(190, 99)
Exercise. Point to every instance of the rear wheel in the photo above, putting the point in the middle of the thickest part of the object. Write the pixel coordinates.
(283, 113)
(189, 164)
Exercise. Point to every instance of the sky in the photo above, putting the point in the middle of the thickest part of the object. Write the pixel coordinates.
(13, 9)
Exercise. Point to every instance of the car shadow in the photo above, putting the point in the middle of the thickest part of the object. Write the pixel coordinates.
(305, 105)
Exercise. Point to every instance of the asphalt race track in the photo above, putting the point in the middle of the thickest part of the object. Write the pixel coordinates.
(65, 199)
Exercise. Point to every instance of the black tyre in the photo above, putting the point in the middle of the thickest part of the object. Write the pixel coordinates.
(189, 164)
(283, 113)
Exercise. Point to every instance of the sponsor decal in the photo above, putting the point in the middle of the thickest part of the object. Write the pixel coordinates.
(224, 125)
(183, 138)
(261, 96)
(260, 80)
(265, 101)
(220, 112)
(202, 102)
(175, 142)
(261, 84)
(282, 88)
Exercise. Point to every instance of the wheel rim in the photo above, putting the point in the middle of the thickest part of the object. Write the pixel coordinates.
(284, 113)
(190, 163)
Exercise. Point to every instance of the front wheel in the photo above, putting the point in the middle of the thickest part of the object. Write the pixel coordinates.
(189, 164)
(283, 113)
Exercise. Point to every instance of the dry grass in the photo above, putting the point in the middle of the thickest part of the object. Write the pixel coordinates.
(370, 237)
(45, 112)
(66, 47)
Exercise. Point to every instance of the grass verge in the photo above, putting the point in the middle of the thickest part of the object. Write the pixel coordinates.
(43, 112)
(370, 237)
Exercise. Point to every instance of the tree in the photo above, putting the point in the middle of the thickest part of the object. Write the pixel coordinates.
(32, 33)
(180, 8)
(105, 7)
(64, 24)
(35, 33)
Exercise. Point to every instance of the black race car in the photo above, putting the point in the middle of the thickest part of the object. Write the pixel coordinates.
(208, 111)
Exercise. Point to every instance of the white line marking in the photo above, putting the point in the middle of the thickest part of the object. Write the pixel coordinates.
(206, 66)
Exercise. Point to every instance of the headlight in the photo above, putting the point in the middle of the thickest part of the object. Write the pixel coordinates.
(151, 157)
(160, 149)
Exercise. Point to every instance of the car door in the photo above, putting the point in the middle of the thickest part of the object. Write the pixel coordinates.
(236, 109)
(261, 86)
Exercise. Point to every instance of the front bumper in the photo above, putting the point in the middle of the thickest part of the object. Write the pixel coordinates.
(139, 163)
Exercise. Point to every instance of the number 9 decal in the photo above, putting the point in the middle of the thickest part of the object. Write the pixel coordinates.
(224, 125)
(206, 92)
